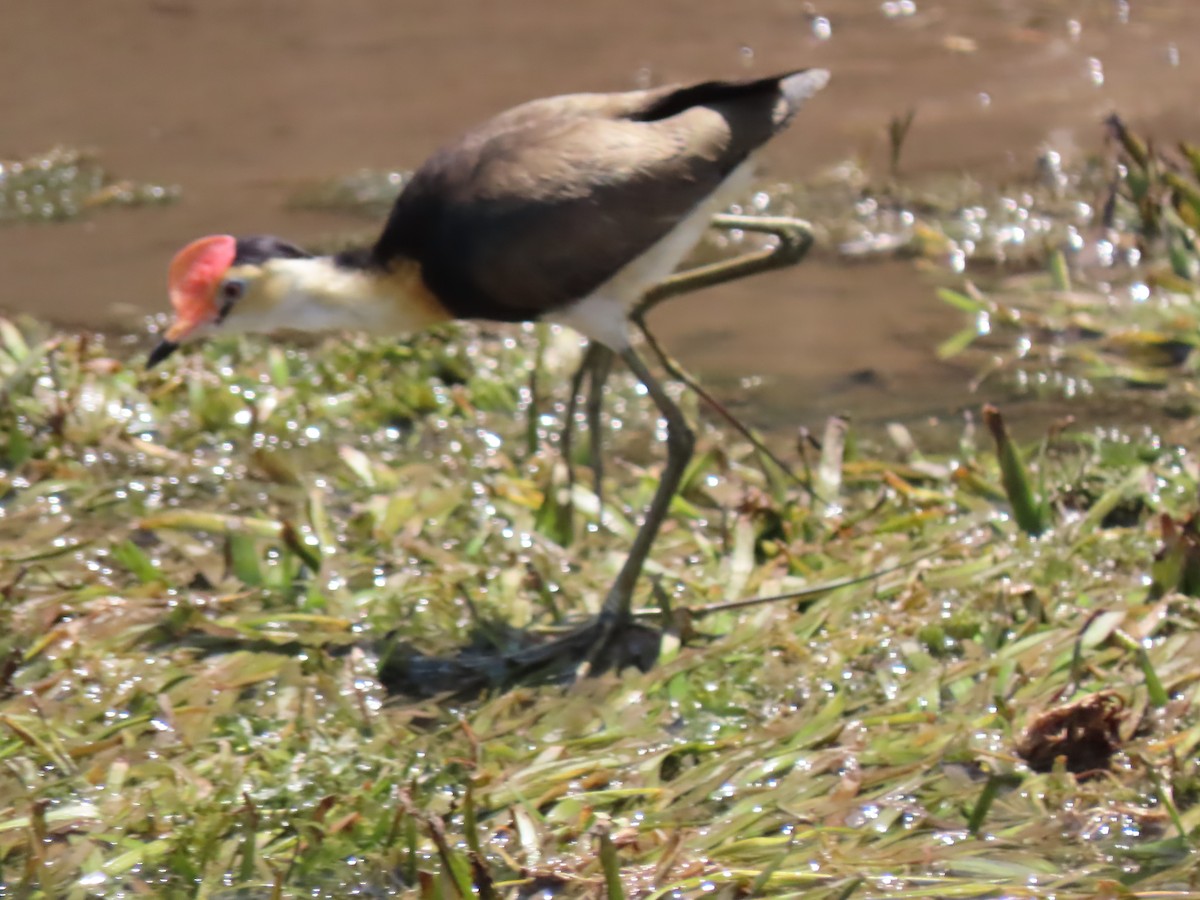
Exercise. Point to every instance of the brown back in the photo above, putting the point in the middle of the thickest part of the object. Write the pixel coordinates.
(542, 204)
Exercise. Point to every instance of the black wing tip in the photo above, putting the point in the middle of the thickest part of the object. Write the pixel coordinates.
(164, 349)
(795, 87)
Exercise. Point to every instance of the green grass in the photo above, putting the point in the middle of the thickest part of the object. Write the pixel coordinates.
(985, 686)
(196, 566)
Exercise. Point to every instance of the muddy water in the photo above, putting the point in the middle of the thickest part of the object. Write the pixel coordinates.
(238, 100)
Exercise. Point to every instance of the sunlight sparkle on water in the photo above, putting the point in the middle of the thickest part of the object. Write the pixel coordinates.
(894, 9)
(983, 323)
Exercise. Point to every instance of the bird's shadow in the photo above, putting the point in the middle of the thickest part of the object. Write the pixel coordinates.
(499, 656)
(502, 657)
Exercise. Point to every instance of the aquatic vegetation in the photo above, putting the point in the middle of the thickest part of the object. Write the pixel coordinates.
(202, 567)
(228, 590)
(1112, 302)
(64, 184)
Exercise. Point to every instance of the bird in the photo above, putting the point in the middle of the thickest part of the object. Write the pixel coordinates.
(565, 209)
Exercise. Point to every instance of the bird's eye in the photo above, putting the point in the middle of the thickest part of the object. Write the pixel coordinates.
(232, 289)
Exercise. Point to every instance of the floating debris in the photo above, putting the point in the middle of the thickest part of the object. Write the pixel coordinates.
(1084, 735)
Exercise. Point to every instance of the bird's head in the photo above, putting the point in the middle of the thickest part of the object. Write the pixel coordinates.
(221, 283)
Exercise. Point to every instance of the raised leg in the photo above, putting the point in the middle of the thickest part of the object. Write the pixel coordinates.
(795, 240)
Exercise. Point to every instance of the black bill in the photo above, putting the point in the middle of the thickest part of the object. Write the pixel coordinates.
(161, 352)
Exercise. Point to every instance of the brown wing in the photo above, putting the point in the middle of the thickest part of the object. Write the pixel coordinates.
(544, 203)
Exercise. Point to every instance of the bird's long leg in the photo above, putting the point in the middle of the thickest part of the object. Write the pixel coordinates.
(602, 362)
(618, 605)
(567, 439)
(596, 365)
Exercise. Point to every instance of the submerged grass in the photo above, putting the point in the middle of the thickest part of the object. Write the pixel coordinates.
(978, 678)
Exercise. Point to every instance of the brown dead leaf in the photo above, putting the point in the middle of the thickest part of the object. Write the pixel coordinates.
(1085, 733)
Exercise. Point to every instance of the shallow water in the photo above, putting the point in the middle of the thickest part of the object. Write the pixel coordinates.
(238, 101)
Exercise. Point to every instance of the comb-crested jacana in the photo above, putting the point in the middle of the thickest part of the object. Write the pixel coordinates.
(565, 209)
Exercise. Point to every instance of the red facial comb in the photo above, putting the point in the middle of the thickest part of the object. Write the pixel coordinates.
(194, 274)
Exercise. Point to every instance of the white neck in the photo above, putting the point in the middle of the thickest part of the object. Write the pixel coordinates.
(319, 295)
